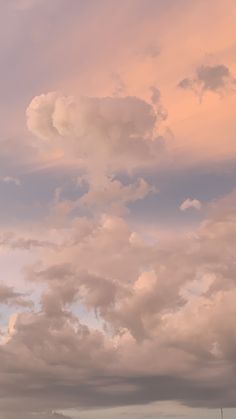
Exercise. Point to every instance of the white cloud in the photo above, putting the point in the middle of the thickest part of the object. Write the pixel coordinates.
(190, 203)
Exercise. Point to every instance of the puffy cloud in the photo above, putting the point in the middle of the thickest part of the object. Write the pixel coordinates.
(108, 133)
(40, 116)
(165, 314)
(190, 203)
(209, 79)
(164, 311)
(112, 196)
(104, 136)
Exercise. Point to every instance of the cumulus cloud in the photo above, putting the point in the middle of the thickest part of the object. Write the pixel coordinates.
(105, 136)
(110, 132)
(208, 78)
(165, 313)
(159, 307)
(113, 196)
(118, 319)
(100, 195)
(190, 203)
(165, 309)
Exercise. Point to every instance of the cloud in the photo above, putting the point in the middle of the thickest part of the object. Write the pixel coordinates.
(217, 79)
(9, 296)
(112, 196)
(10, 240)
(119, 320)
(190, 203)
(103, 136)
(101, 195)
(110, 132)
(165, 313)
(11, 179)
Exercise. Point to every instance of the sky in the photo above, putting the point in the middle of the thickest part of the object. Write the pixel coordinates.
(117, 209)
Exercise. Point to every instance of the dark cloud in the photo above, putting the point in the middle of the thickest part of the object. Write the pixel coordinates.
(213, 78)
(216, 79)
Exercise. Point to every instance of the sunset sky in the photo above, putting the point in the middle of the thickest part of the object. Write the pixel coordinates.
(117, 209)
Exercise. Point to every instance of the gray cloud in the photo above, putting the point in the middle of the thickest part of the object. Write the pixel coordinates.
(9, 296)
(216, 79)
(123, 130)
(10, 240)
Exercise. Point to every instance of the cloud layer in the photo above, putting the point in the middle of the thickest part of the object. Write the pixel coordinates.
(165, 313)
(217, 79)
